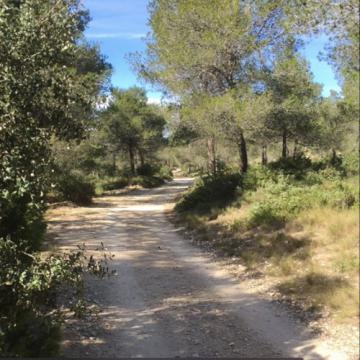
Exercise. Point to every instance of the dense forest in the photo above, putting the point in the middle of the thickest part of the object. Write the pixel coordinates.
(241, 112)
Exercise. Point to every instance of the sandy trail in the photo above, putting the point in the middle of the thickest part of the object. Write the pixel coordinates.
(168, 298)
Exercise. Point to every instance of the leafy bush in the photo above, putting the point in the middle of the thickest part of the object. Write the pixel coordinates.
(73, 186)
(319, 176)
(115, 184)
(292, 165)
(146, 170)
(22, 220)
(210, 192)
(147, 181)
(351, 163)
(258, 176)
(31, 282)
(284, 198)
(165, 173)
(300, 166)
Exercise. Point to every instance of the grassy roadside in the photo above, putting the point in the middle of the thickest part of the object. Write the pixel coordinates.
(299, 228)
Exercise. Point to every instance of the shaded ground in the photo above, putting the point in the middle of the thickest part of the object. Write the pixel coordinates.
(168, 298)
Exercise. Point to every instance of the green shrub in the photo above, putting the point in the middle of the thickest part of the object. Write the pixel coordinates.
(165, 173)
(321, 175)
(105, 169)
(351, 163)
(31, 335)
(335, 194)
(30, 316)
(300, 166)
(146, 181)
(265, 213)
(284, 198)
(115, 184)
(22, 221)
(292, 165)
(21, 208)
(146, 170)
(76, 188)
(258, 176)
(210, 192)
(281, 201)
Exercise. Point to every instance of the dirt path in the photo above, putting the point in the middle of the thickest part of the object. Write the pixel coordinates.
(169, 298)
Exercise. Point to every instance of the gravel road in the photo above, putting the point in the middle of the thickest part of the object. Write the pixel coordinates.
(169, 298)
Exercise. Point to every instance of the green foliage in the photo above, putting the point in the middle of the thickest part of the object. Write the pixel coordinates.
(210, 192)
(182, 134)
(34, 335)
(165, 173)
(297, 165)
(351, 163)
(43, 76)
(213, 59)
(276, 193)
(21, 214)
(30, 316)
(146, 181)
(258, 176)
(294, 99)
(146, 170)
(132, 126)
(284, 196)
(73, 186)
(265, 92)
(239, 77)
(216, 77)
(116, 183)
(49, 81)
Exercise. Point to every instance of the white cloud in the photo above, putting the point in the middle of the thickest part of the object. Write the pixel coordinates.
(115, 35)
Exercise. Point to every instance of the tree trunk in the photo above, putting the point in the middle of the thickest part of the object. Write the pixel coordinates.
(243, 153)
(264, 158)
(333, 156)
(114, 162)
(211, 155)
(132, 159)
(295, 153)
(284, 144)
(142, 159)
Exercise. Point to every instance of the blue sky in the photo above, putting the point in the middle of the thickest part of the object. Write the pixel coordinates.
(118, 26)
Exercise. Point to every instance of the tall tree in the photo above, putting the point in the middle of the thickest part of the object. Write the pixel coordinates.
(335, 125)
(46, 90)
(132, 125)
(339, 20)
(197, 50)
(294, 96)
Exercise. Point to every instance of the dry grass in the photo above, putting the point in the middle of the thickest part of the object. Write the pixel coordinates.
(314, 258)
(333, 267)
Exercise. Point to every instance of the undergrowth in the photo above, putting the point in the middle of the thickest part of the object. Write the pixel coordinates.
(210, 192)
(296, 221)
(74, 186)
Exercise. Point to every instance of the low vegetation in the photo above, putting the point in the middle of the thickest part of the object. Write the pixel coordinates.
(80, 188)
(296, 224)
